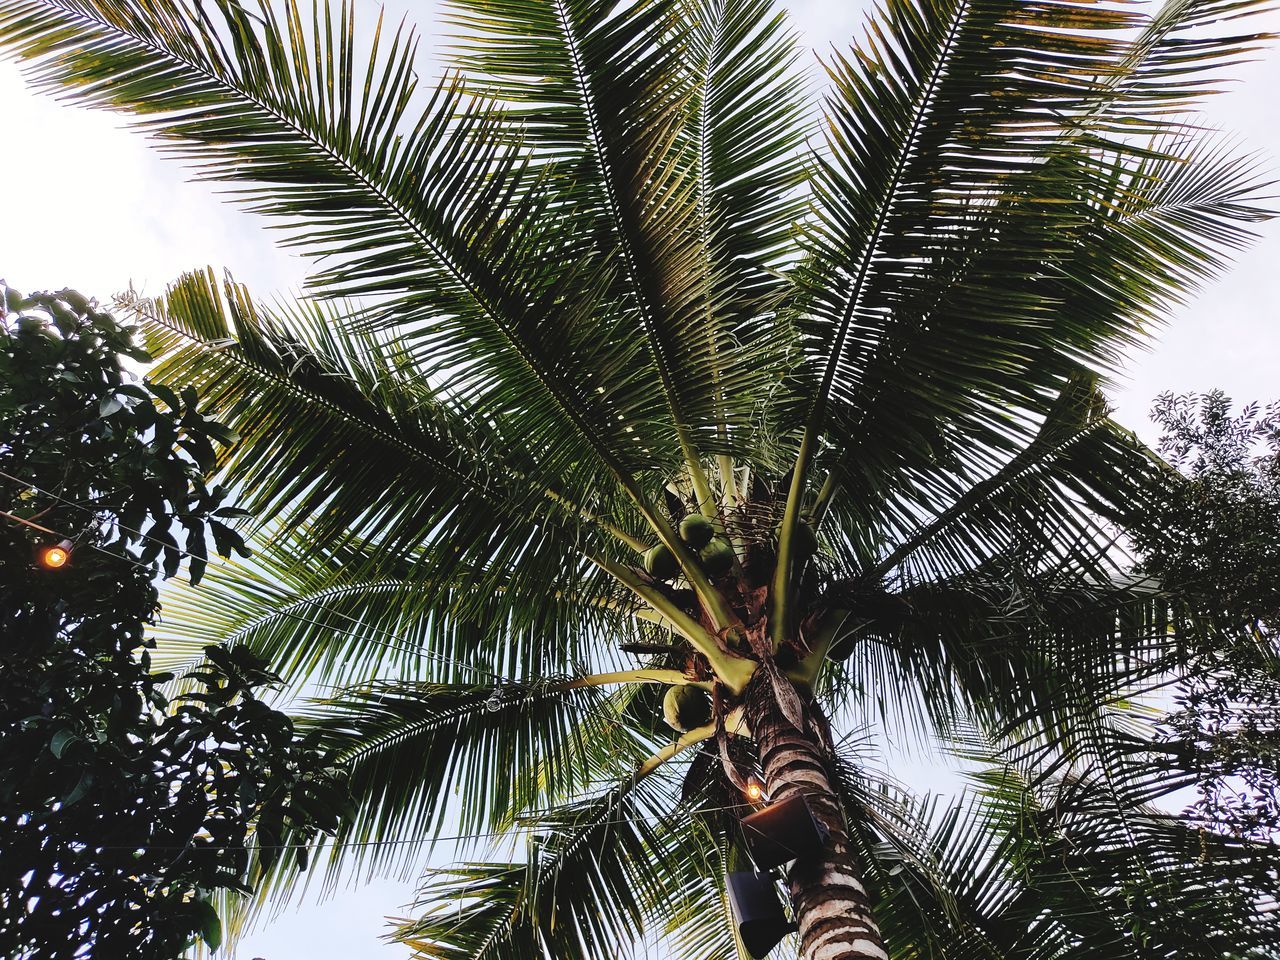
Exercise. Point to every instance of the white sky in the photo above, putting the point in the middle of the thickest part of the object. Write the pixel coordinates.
(86, 204)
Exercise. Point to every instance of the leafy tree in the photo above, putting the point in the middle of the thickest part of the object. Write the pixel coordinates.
(1213, 539)
(620, 348)
(121, 810)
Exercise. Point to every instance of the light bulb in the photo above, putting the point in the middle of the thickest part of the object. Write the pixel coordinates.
(56, 556)
(755, 792)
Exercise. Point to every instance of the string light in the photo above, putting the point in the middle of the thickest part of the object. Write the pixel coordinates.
(754, 790)
(56, 555)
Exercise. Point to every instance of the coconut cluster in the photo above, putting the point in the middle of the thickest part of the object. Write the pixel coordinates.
(713, 550)
(687, 706)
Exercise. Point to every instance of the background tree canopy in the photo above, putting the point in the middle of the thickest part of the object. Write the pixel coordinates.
(121, 809)
(1214, 540)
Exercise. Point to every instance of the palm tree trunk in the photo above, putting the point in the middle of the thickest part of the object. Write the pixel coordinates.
(828, 898)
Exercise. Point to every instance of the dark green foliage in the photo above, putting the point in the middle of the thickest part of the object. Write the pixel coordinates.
(1213, 540)
(1214, 534)
(83, 436)
(120, 812)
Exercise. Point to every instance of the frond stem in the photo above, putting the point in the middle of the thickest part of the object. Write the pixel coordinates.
(734, 723)
(573, 44)
(733, 671)
(668, 677)
(817, 416)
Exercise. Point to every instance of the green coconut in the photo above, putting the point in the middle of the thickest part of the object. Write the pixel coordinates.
(696, 530)
(686, 707)
(806, 541)
(660, 563)
(717, 557)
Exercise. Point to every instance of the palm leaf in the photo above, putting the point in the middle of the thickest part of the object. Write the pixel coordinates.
(422, 755)
(1146, 233)
(429, 212)
(419, 756)
(345, 625)
(605, 91)
(334, 439)
(935, 275)
(589, 869)
(1058, 870)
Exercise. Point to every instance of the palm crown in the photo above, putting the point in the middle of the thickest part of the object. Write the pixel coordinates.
(618, 270)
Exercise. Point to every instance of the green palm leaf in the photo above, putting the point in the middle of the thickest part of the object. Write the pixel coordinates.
(335, 438)
(347, 626)
(429, 212)
(589, 869)
(1054, 870)
(604, 91)
(422, 754)
(1160, 226)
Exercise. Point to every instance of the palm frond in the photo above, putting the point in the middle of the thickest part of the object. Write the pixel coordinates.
(939, 275)
(360, 620)
(1056, 502)
(590, 868)
(1161, 228)
(940, 106)
(1059, 870)
(337, 440)
(606, 91)
(431, 213)
(419, 756)
(1019, 653)
(750, 118)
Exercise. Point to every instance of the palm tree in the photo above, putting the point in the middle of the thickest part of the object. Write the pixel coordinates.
(633, 384)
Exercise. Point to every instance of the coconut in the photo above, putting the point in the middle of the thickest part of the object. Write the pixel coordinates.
(696, 530)
(717, 557)
(806, 541)
(686, 707)
(844, 646)
(660, 563)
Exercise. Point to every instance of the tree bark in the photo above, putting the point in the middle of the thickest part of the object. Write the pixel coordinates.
(828, 897)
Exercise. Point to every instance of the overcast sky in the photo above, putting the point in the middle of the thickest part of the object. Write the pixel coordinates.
(86, 204)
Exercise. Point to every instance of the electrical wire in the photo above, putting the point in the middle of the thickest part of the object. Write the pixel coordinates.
(515, 831)
(401, 645)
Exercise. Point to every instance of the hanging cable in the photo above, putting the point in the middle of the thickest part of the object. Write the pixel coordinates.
(515, 831)
(401, 645)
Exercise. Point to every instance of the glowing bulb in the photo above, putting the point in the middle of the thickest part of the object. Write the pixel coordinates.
(56, 556)
(755, 792)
